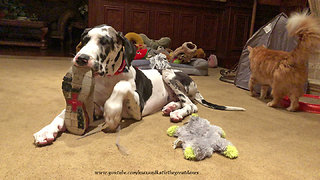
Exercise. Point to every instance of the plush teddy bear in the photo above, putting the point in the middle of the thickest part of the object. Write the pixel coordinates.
(199, 139)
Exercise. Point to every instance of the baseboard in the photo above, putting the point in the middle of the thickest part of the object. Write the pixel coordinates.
(35, 57)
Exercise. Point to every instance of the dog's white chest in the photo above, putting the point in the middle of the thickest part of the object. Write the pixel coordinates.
(104, 86)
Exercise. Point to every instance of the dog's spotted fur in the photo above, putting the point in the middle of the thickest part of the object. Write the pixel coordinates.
(123, 91)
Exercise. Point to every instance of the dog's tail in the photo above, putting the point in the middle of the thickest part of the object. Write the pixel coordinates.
(205, 103)
(307, 29)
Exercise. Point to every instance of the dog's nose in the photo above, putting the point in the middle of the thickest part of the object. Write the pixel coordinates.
(82, 59)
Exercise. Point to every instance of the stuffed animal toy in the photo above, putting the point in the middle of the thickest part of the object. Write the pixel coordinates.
(154, 44)
(141, 46)
(199, 139)
(200, 54)
(142, 51)
(184, 53)
(141, 54)
(78, 47)
(134, 38)
(213, 61)
(159, 61)
(78, 87)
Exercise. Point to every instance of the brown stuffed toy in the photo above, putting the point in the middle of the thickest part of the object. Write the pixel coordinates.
(184, 53)
(200, 54)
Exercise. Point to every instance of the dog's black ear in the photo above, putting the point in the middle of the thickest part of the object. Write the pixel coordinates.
(85, 32)
(129, 48)
(81, 43)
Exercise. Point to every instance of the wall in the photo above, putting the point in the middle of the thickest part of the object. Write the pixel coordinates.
(221, 28)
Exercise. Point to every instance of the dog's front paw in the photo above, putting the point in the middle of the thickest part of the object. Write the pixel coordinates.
(47, 134)
(112, 115)
(112, 124)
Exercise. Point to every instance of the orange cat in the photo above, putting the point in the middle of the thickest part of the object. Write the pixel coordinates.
(286, 72)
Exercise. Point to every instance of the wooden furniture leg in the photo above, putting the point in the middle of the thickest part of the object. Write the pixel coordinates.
(44, 31)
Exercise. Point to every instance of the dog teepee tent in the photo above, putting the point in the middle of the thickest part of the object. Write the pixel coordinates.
(272, 35)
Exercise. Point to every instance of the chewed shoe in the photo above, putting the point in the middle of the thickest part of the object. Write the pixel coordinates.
(77, 87)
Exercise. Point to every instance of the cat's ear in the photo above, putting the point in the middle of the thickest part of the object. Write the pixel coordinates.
(250, 48)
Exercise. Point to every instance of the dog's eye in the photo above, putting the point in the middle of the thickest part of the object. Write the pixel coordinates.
(85, 40)
(103, 40)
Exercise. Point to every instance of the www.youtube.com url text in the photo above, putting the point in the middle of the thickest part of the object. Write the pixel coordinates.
(155, 172)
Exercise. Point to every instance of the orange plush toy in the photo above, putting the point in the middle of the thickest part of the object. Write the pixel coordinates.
(200, 53)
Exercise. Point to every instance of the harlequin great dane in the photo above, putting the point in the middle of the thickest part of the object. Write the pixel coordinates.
(123, 91)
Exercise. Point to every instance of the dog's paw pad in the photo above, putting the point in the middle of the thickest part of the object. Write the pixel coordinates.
(167, 110)
(175, 120)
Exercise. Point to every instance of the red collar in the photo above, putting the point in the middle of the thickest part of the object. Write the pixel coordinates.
(121, 68)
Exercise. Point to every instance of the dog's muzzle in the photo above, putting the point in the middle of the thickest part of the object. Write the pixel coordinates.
(82, 60)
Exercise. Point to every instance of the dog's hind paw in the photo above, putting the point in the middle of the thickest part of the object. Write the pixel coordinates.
(170, 107)
(176, 116)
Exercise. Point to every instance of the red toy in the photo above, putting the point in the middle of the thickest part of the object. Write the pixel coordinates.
(307, 107)
(141, 54)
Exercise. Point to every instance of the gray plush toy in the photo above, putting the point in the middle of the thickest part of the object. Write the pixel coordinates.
(199, 139)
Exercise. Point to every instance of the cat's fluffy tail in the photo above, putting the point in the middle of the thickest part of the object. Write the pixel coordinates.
(307, 29)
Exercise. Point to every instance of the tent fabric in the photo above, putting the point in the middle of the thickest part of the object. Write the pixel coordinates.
(273, 35)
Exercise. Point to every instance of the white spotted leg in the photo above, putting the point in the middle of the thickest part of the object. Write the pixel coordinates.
(186, 106)
(122, 94)
(48, 134)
